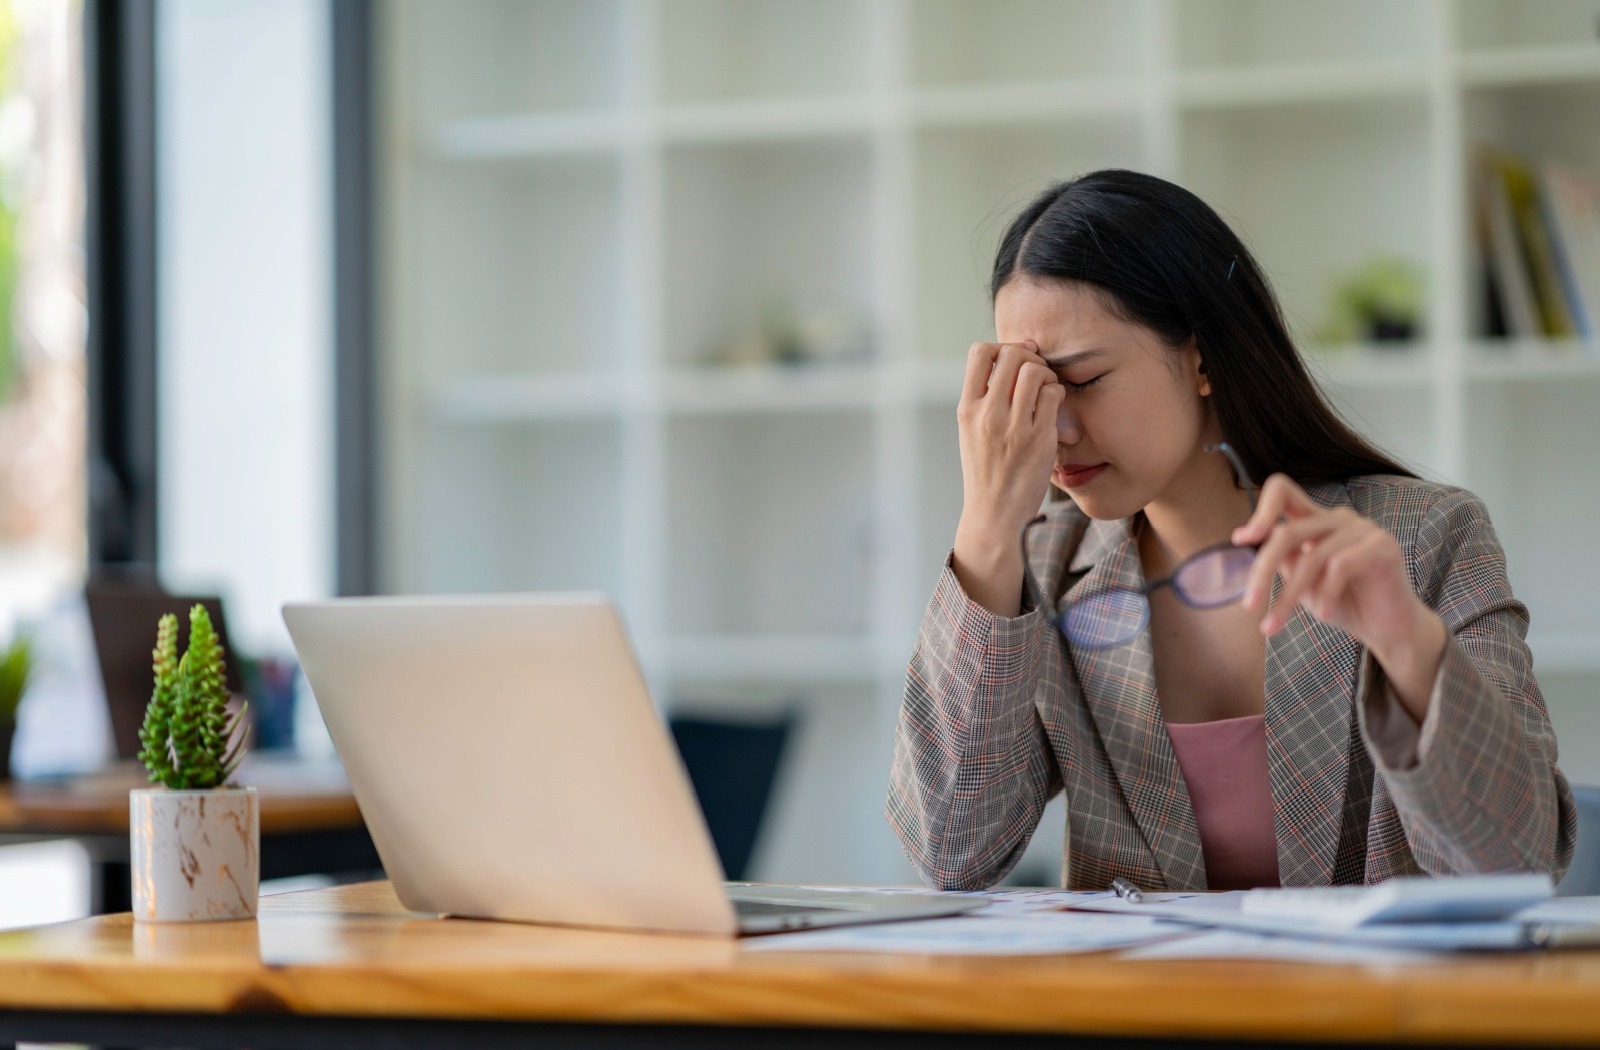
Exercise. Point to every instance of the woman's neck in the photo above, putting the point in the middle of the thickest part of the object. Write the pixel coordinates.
(1200, 510)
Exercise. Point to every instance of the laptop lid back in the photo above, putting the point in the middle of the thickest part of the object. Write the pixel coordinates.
(509, 762)
(124, 623)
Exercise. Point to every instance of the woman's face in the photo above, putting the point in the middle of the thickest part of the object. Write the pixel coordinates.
(1135, 420)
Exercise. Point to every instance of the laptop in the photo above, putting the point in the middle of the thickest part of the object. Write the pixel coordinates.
(510, 765)
(123, 619)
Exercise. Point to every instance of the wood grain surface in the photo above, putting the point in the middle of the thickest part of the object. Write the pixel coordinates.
(100, 807)
(354, 951)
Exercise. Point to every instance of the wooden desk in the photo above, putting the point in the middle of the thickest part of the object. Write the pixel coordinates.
(347, 966)
(310, 824)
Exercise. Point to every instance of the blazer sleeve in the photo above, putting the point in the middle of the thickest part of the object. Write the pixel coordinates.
(1476, 786)
(973, 768)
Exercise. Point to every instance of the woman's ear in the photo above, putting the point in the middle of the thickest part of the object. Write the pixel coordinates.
(1197, 368)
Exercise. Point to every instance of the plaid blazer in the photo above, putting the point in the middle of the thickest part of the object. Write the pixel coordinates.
(1001, 713)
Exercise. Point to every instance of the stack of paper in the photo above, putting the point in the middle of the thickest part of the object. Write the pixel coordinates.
(1540, 926)
(1206, 926)
(1461, 899)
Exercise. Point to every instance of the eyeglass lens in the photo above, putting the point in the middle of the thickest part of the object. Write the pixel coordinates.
(1109, 618)
(1206, 580)
(1214, 577)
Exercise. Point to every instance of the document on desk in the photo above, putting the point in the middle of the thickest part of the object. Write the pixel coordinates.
(1001, 902)
(1576, 911)
(1530, 929)
(1238, 944)
(981, 933)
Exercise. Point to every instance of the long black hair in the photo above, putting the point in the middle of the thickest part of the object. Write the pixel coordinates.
(1159, 256)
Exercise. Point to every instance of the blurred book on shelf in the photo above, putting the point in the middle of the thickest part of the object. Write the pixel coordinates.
(1538, 231)
(1572, 199)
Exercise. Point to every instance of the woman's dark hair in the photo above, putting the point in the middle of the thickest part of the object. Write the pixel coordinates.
(1158, 256)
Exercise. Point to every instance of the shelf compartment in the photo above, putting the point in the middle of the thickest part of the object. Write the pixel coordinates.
(1291, 85)
(1502, 361)
(939, 497)
(1400, 420)
(770, 524)
(1527, 24)
(1316, 190)
(476, 58)
(1238, 33)
(526, 508)
(723, 49)
(970, 183)
(1538, 120)
(1374, 366)
(1527, 457)
(1534, 65)
(758, 227)
(1017, 103)
(527, 135)
(517, 267)
(735, 391)
(771, 659)
(940, 382)
(530, 397)
(769, 120)
(961, 42)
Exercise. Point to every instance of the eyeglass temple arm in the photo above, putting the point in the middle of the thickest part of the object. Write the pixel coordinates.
(1022, 536)
(1238, 469)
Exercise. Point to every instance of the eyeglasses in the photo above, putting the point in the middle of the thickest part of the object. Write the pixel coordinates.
(1206, 579)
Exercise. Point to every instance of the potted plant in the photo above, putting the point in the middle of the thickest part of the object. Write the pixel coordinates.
(196, 839)
(1380, 301)
(16, 664)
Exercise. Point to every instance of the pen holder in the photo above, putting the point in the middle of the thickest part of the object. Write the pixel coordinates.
(195, 855)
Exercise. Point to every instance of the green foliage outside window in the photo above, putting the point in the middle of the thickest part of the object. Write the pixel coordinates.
(190, 741)
(16, 664)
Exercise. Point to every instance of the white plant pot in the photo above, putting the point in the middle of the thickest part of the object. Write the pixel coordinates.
(196, 855)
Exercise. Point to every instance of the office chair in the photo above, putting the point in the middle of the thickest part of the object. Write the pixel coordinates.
(732, 766)
(1583, 878)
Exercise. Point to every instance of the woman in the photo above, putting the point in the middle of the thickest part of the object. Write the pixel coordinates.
(1335, 689)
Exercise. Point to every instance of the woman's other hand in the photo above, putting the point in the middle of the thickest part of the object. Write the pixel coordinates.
(1007, 425)
(1346, 571)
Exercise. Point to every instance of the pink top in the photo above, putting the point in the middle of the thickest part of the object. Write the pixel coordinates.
(1224, 764)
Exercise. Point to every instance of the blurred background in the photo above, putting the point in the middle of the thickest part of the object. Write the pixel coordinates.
(669, 299)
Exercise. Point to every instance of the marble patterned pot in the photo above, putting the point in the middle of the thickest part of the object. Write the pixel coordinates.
(196, 855)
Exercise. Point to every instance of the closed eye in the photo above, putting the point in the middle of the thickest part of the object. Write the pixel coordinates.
(1086, 384)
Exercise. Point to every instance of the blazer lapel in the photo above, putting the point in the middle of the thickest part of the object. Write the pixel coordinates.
(1310, 675)
(1119, 687)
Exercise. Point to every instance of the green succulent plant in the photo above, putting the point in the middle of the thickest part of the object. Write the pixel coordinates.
(16, 665)
(190, 741)
(1381, 300)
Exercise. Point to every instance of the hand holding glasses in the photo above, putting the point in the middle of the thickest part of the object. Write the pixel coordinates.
(1206, 579)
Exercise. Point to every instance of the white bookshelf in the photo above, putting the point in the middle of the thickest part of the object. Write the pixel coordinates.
(588, 201)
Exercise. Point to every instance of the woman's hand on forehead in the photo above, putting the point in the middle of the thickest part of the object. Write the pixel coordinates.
(1007, 425)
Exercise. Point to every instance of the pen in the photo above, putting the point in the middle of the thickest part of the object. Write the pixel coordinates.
(1545, 935)
(1127, 891)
